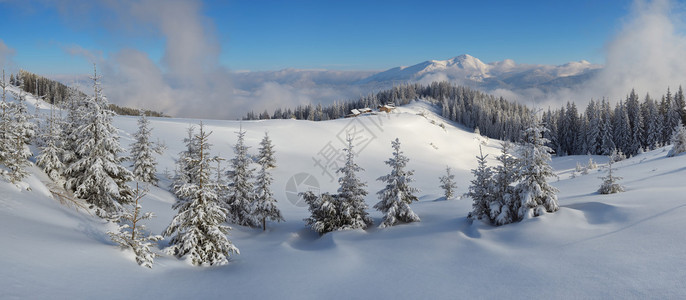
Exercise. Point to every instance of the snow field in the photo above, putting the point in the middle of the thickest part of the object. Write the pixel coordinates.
(626, 245)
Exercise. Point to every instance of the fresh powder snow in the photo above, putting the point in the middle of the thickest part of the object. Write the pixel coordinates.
(625, 245)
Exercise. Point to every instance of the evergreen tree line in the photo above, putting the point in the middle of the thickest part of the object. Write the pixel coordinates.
(631, 126)
(494, 116)
(50, 91)
(55, 92)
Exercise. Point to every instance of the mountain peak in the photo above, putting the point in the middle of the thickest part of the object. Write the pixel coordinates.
(464, 57)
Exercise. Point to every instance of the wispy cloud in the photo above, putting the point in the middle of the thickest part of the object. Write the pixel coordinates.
(189, 80)
(6, 54)
(646, 54)
(91, 56)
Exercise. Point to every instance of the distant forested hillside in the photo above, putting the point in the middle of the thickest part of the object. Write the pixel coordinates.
(54, 92)
(493, 116)
(631, 127)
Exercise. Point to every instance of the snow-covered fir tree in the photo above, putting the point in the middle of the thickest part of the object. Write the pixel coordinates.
(652, 123)
(8, 138)
(397, 196)
(324, 212)
(6, 123)
(197, 230)
(25, 128)
(622, 130)
(265, 204)
(74, 119)
(143, 153)
(98, 175)
(593, 139)
(535, 196)
(448, 184)
(241, 191)
(633, 109)
(591, 165)
(504, 205)
(351, 192)
(21, 132)
(481, 189)
(610, 185)
(672, 116)
(607, 143)
(678, 141)
(50, 156)
(220, 184)
(617, 155)
(183, 174)
(131, 232)
(345, 210)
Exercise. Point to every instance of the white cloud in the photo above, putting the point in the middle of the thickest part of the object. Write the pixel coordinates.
(6, 54)
(91, 56)
(647, 54)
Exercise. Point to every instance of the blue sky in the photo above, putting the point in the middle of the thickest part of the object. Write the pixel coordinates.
(341, 35)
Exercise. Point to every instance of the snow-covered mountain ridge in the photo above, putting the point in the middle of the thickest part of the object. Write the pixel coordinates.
(470, 70)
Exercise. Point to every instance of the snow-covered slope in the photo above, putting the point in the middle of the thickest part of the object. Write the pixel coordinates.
(627, 245)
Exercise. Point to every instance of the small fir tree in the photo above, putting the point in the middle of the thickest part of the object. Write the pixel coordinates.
(241, 191)
(610, 185)
(98, 176)
(131, 233)
(183, 174)
(397, 196)
(11, 144)
(481, 189)
(591, 165)
(265, 204)
(221, 186)
(142, 153)
(448, 184)
(22, 130)
(70, 134)
(678, 141)
(351, 192)
(25, 128)
(503, 204)
(49, 158)
(6, 123)
(535, 195)
(324, 212)
(197, 230)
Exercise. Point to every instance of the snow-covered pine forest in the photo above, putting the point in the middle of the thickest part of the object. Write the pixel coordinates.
(632, 125)
(81, 212)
